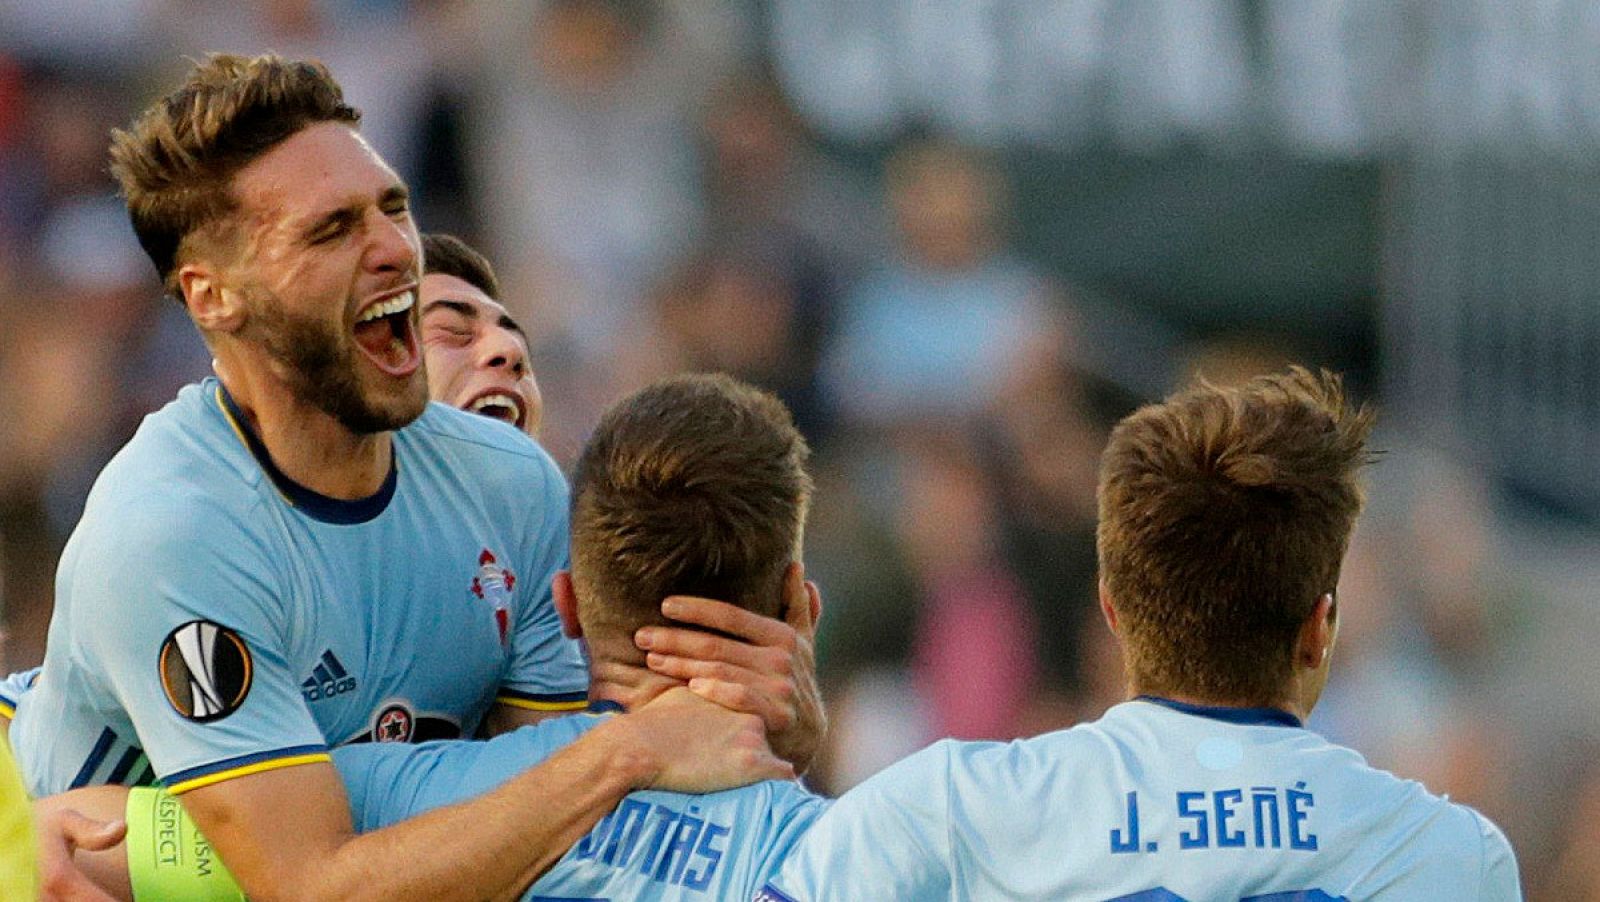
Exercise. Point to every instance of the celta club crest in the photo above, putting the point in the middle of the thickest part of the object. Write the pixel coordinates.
(494, 584)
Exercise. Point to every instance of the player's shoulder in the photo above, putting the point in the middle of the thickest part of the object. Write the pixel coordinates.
(460, 438)
(189, 456)
(441, 423)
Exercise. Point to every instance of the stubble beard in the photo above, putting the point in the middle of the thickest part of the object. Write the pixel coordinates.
(325, 372)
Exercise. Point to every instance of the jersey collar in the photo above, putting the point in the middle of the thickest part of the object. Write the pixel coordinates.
(1257, 717)
(313, 504)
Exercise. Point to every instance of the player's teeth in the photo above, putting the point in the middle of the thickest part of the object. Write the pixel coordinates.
(505, 401)
(398, 304)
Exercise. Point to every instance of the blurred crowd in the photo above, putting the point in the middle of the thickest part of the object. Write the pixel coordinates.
(656, 200)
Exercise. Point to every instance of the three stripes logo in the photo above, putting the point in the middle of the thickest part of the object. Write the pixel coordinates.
(205, 670)
(328, 678)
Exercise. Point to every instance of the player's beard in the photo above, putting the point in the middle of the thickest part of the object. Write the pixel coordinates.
(323, 369)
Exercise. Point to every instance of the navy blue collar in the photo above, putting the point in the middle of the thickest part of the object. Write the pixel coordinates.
(313, 504)
(1261, 717)
(606, 706)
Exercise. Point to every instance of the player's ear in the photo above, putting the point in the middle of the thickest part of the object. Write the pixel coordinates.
(802, 604)
(566, 601)
(1107, 609)
(214, 306)
(1315, 641)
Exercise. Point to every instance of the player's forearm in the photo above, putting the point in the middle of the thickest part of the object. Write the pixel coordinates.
(496, 845)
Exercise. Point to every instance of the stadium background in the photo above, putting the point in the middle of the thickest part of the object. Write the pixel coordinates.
(960, 237)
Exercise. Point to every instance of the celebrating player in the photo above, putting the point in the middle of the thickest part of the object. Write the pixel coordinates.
(477, 355)
(303, 552)
(696, 484)
(1224, 517)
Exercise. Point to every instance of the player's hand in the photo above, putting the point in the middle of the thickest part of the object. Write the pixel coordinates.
(697, 746)
(61, 832)
(768, 668)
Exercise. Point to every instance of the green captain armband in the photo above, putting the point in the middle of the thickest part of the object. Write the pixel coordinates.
(168, 859)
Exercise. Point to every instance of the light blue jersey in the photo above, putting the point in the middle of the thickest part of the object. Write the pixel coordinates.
(1154, 802)
(13, 687)
(215, 619)
(654, 845)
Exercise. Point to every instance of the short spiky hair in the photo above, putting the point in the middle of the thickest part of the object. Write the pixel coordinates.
(447, 255)
(176, 162)
(695, 485)
(1224, 514)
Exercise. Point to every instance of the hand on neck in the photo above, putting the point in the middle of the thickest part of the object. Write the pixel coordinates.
(628, 685)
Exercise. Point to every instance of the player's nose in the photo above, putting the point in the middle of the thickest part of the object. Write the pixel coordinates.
(503, 349)
(392, 246)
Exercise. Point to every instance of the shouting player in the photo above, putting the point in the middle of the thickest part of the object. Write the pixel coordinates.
(303, 552)
(477, 355)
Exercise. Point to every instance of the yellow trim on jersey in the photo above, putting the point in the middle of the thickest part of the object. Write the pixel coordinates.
(7, 711)
(532, 705)
(238, 429)
(247, 770)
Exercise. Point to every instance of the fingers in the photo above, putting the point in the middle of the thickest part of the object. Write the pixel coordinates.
(736, 688)
(689, 643)
(729, 619)
(89, 834)
(776, 716)
(59, 878)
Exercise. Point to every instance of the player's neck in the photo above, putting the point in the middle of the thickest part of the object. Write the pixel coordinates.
(1287, 705)
(617, 673)
(306, 444)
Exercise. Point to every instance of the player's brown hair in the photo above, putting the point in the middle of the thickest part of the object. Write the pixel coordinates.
(447, 255)
(1224, 515)
(694, 485)
(177, 160)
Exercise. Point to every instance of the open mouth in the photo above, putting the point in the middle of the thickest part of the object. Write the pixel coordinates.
(384, 331)
(500, 405)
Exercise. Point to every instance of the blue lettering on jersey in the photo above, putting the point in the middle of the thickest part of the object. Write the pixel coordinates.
(683, 848)
(1299, 800)
(1225, 800)
(1264, 809)
(1127, 839)
(1201, 837)
(1222, 819)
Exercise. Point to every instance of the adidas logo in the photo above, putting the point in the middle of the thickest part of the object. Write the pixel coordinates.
(328, 679)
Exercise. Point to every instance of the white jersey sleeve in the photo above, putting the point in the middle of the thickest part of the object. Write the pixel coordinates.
(888, 838)
(1499, 880)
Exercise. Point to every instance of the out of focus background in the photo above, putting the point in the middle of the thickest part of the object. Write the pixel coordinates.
(960, 238)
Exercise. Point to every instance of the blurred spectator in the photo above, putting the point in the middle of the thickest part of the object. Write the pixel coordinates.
(739, 311)
(938, 330)
(767, 183)
(587, 154)
(974, 659)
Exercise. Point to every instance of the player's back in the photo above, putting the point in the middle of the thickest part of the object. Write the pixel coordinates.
(653, 845)
(1155, 801)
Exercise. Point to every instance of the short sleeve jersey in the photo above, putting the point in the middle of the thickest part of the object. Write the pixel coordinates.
(214, 619)
(1155, 802)
(654, 845)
